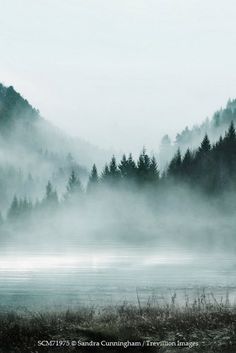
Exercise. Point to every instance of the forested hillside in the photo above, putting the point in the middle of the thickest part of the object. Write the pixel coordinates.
(42, 179)
(32, 151)
(209, 170)
(192, 137)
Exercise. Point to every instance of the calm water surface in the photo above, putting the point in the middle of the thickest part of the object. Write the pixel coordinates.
(111, 274)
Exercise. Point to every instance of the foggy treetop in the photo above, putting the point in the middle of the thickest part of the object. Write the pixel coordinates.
(210, 167)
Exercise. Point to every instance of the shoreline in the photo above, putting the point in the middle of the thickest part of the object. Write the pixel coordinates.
(200, 327)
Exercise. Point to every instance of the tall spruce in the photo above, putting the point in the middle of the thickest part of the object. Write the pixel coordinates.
(13, 211)
(93, 179)
(111, 173)
(51, 196)
(123, 166)
(153, 171)
(229, 149)
(205, 145)
(131, 168)
(231, 134)
(114, 170)
(105, 174)
(187, 165)
(174, 169)
(143, 166)
(128, 168)
(74, 184)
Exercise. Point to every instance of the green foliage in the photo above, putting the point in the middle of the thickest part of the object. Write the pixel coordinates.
(14, 209)
(128, 168)
(174, 169)
(74, 184)
(113, 170)
(147, 170)
(51, 197)
(93, 179)
(18, 209)
(143, 167)
(153, 171)
(213, 127)
(187, 164)
(13, 106)
(105, 174)
(111, 173)
(205, 145)
(74, 188)
(211, 168)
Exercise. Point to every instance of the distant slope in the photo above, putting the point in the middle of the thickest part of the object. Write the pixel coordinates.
(214, 127)
(19, 120)
(14, 107)
(32, 148)
(192, 137)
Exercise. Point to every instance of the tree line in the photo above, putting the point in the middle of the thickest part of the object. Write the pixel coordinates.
(211, 168)
(192, 137)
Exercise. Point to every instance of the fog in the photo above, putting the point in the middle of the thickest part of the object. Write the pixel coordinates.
(120, 74)
(72, 233)
(177, 217)
(103, 247)
(109, 78)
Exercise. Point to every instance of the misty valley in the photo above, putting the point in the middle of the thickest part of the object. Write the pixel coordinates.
(79, 235)
(80, 228)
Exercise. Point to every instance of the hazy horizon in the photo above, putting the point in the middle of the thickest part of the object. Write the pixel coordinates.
(120, 74)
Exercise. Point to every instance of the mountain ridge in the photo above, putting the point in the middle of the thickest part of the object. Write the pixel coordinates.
(193, 136)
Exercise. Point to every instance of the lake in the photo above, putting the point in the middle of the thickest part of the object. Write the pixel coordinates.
(111, 274)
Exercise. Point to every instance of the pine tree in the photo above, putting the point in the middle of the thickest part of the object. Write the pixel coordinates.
(128, 168)
(153, 171)
(51, 194)
(143, 166)
(13, 211)
(205, 145)
(219, 144)
(174, 169)
(187, 165)
(131, 162)
(231, 134)
(74, 184)
(111, 174)
(123, 166)
(229, 151)
(93, 179)
(74, 187)
(105, 174)
(230, 141)
(113, 170)
(49, 190)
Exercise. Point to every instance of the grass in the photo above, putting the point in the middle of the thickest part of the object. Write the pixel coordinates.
(210, 323)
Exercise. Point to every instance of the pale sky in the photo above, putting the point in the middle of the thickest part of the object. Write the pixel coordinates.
(120, 73)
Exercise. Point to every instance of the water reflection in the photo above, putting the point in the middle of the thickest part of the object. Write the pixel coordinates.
(106, 276)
